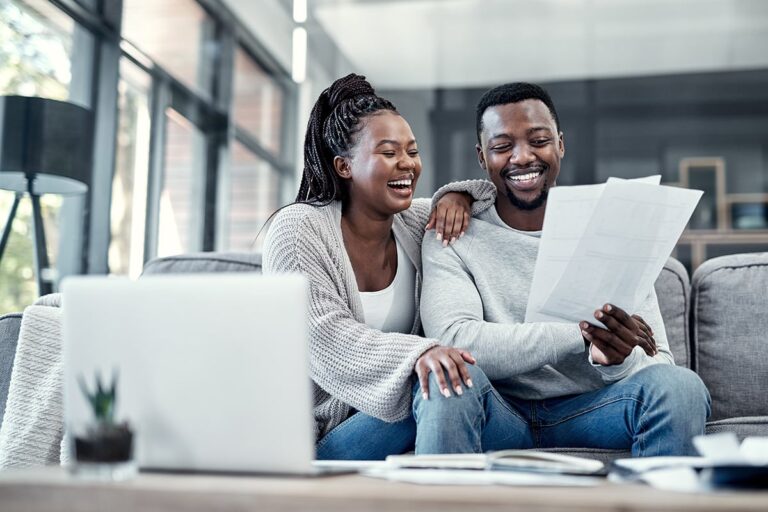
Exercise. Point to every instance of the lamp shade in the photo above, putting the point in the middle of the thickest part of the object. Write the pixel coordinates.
(47, 143)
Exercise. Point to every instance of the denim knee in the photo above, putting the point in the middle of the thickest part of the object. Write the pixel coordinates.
(679, 387)
(439, 404)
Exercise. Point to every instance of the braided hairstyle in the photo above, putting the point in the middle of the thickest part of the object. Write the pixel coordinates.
(333, 122)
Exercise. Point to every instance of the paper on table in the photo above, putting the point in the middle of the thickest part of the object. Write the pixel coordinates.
(617, 253)
(480, 477)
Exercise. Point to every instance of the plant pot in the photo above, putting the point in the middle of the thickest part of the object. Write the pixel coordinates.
(105, 443)
(105, 452)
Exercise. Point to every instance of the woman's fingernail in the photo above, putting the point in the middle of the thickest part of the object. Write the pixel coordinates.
(469, 383)
(439, 236)
(458, 390)
(425, 396)
(446, 393)
(461, 234)
(608, 307)
(445, 243)
(585, 334)
(599, 314)
(453, 240)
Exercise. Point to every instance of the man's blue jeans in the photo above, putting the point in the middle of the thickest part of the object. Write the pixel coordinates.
(655, 411)
(363, 437)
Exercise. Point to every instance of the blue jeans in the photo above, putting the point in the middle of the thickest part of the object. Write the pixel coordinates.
(655, 411)
(363, 437)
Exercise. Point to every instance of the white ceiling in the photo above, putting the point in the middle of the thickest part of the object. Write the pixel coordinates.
(460, 43)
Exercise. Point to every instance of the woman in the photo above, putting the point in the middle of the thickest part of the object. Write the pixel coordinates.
(355, 232)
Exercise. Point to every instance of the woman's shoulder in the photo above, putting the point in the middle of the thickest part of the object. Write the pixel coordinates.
(299, 216)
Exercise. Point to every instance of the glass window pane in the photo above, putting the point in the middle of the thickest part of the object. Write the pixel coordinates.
(43, 53)
(129, 184)
(36, 51)
(177, 34)
(181, 198)
(253, 193)
(258, 102)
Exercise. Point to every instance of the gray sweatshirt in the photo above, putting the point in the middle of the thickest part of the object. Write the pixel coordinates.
(475, 295)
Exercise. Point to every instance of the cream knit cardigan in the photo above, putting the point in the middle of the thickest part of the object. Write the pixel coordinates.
(354, 367)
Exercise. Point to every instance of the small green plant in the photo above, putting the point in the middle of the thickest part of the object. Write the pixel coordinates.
(102, 399)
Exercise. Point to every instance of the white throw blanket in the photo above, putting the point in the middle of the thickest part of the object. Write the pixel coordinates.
(33, 427)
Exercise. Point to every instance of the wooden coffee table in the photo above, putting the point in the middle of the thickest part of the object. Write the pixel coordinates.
(54, 489)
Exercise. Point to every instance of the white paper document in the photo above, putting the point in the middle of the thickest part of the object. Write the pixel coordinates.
(605, 244)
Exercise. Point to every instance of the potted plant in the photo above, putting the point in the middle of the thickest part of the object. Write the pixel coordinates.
(103, 441)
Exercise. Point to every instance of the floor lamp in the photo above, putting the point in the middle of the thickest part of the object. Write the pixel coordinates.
(45, 148)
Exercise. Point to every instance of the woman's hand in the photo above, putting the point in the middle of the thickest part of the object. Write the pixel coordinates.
(450, 217)
(622, 334)
(439, 360)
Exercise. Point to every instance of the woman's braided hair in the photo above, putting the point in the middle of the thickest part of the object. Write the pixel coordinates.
(333, 122)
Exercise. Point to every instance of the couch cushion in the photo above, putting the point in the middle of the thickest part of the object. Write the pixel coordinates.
(730, 333)
(9, 337)
(743, 427)
(673, 289)
(205, 262)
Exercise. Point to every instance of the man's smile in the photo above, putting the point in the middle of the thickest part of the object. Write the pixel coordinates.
(524, 179)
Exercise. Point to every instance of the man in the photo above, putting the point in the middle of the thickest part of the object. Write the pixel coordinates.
(540, 385)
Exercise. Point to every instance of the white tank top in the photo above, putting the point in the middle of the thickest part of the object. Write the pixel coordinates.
(393, 309)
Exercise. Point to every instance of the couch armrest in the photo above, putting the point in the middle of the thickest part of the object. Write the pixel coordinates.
(9, 337)
(205, 262)
(730, 322)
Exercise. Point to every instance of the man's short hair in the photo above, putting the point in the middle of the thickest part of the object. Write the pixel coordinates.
(513, 93)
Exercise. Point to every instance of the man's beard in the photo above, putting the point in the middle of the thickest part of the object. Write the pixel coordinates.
(527, 205)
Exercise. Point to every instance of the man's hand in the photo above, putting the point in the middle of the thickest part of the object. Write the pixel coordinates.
(622, 334)
(450, 217)
(440, 360)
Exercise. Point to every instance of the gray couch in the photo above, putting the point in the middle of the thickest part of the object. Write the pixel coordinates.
(716, 325)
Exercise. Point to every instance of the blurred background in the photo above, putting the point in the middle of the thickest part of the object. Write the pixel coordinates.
(200, 107)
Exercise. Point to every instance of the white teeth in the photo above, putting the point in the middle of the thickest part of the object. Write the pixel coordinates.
(400, 183)
(524, 177)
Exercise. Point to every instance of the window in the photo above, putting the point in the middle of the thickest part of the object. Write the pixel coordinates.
(181, 197)
(258, 103)
(252, 194)
(129, 184)
(177, 35)
(43, 53)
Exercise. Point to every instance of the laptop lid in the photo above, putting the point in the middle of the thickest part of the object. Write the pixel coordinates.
(213, 368)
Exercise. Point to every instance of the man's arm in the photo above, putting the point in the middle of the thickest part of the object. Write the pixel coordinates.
(452, 312)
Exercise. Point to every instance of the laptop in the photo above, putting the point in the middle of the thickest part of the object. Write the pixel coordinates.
(212, 368)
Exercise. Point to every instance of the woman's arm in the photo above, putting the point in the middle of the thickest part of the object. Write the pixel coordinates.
(365, 368)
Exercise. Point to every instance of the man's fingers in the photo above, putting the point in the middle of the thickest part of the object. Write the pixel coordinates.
(649, 349)
(619, 314)
(643, 325)
(611, 354)
(609, 339)
(616, 327)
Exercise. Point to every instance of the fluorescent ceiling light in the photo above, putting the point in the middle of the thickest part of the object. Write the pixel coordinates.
(299, 65)
(299, 11)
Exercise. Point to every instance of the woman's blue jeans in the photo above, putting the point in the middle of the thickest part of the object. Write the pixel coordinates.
(656, 411)
(363, 437)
